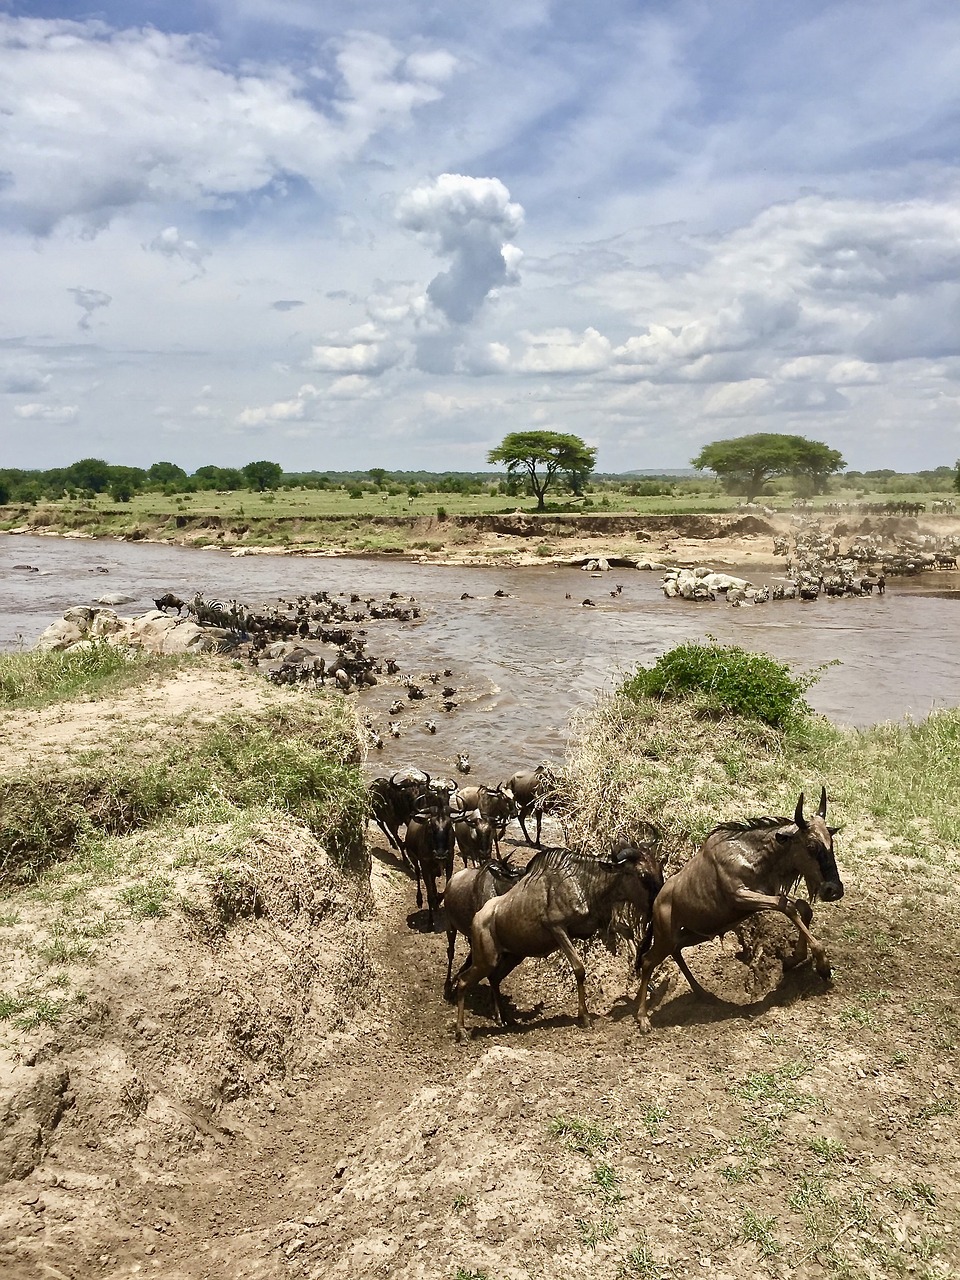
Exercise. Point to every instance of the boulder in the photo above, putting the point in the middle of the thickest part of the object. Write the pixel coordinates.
(116, 598)
(61, 635)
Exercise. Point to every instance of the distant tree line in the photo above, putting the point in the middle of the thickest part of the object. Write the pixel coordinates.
(92, 476)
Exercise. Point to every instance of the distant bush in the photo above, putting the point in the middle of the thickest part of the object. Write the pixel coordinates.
(441, 513)
(354, 491)
(743, 683)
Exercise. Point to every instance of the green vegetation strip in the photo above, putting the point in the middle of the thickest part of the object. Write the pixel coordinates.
(36, 679)
(302, 761)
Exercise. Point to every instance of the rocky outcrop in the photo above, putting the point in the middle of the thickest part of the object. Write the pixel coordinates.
(153, 632)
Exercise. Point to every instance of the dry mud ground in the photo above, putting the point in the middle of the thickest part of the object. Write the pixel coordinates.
(275, 1091)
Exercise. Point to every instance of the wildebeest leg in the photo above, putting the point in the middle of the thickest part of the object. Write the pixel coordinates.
(579, 972)
(451, 949)
(523, 828)
(664, 943)
(800, 949)
(678, 956)
(505, 966)
(793, 911)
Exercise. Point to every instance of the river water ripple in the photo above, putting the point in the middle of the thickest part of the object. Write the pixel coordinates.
(524, 663)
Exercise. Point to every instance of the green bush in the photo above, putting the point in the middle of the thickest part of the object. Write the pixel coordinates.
(733, 679)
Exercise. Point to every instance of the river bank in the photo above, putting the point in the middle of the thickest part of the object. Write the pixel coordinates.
(513, 538)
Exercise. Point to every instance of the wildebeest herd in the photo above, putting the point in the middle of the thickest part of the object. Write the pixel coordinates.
(508, 913)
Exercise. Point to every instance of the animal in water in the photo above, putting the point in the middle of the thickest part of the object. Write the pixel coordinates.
(394, 728)
(429, 848)
(466, 596)
(742, 868)
(430, 726)
(169, 601)
(468, 889)
(396, 706)
(563, 896)
(462, 762)
(532, 792)
(588, 604)
(501, 594)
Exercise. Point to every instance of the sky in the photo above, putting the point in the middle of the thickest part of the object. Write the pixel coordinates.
(388, 232)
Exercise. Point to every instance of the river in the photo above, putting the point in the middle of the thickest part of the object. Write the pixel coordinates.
(521, 664)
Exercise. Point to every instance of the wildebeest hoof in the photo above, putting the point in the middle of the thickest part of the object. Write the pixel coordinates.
(643, 1025)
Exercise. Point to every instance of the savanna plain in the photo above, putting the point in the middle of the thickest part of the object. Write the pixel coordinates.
(225, 1051)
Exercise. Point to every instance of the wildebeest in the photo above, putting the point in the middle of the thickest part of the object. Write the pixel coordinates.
(564, 895)
(429, 849)
(531, 790)
(742, 868)
(466, 892)
(496, 804)
(393, 802)
(169, 601)
(474, 834)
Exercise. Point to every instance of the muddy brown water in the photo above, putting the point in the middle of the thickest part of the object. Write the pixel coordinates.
(521, 664)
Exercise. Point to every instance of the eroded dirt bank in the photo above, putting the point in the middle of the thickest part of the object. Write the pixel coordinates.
(263, 1082)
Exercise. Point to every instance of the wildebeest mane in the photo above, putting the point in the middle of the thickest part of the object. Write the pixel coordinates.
(731, 829)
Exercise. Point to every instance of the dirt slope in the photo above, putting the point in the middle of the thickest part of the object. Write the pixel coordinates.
(273, 1090)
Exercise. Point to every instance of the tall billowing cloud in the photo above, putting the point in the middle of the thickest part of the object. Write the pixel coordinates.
(96, 120)
(472, 221)
(89, 301)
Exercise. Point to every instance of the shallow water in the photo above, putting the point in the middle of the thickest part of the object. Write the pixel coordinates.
(521, 664)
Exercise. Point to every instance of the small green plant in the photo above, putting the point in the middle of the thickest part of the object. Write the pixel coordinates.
(148, 899)
(774, 1090)
(737, 681)
(639, 1263)
(460, 1203)
(756, 1230)
(653, 1117)
(586, 1136)
(606, 1183)
(593, 1233)
(826, 1150)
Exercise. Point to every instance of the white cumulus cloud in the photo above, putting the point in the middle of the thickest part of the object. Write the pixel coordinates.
(47, 412)
(96, 120)
(561, 351)
(171, 244)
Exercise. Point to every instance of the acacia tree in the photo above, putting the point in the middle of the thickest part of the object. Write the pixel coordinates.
(263, 475)
(541, 456)
(746, 463)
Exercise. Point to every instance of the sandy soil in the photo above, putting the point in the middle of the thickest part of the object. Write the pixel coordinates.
(277, 1092)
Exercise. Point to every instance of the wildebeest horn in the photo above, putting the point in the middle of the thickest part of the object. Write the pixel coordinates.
(798, 817)
(822, 811)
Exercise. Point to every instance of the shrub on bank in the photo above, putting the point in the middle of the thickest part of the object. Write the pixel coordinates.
(735, 680)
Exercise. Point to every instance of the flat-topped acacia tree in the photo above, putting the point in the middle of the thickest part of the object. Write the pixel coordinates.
(746, 463)
(542, 456)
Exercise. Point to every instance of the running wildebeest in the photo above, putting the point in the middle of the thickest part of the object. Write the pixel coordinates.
(742, 868)
(465, 894)
(169, 601)
(564, 895)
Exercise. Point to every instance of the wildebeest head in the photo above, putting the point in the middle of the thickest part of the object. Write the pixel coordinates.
(647, 881)
(811, 843)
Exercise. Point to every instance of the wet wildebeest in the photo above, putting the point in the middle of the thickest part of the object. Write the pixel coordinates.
(465, 894)
(429, 849)
(741, 868)
(532, 791)
(563, 896)
(170, 601)
(474, 834)
(497, 805)
(393, 802)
